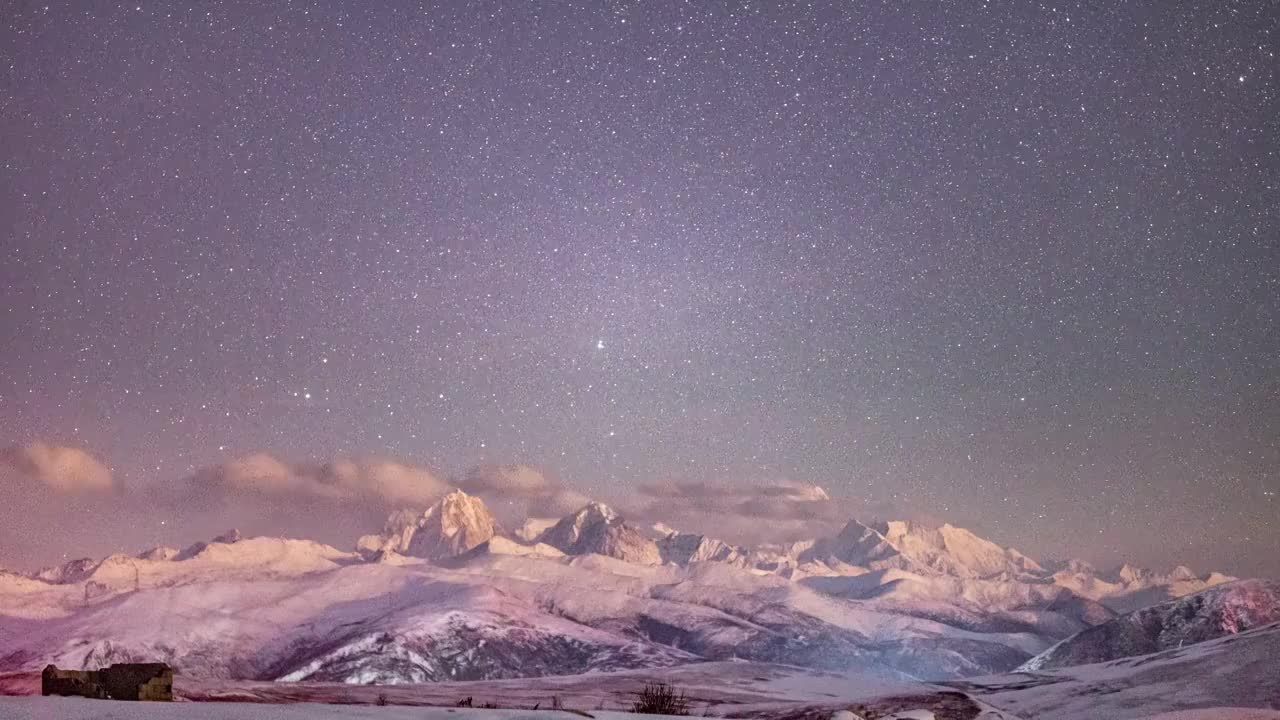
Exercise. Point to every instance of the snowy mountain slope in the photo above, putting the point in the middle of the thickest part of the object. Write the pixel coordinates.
(946, 550)
(479, 634)
(270, 608)
(353, 622)
(498, 545)
(69, 572)
(1222, 610)
(719, 611)
(249, 560)
(990, 605)
(1129, 588)
(1233, 671)
(443, 594)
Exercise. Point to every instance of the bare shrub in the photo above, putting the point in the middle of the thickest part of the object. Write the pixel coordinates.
(661, 699)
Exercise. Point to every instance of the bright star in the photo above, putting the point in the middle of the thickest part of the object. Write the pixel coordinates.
(600, 344)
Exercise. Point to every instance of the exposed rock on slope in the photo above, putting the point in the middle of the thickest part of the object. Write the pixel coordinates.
(1219, 611)
(684, 548)
(160, 552)
(72, 571)
(457, 523)
(226, 538)
(1231, 672)
(596, 528)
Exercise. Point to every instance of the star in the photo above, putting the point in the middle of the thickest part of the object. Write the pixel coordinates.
(802, 243)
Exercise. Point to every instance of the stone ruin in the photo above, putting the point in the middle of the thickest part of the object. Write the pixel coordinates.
(122, 681)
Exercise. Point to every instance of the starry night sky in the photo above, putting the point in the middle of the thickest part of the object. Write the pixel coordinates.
(1013, 265)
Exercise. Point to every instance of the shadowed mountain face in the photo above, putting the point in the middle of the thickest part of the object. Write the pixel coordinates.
(1219, 611)
(1235, 671)
(597, 529)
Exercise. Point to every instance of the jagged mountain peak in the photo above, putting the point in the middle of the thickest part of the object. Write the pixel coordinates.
(453, 497)
(684, 548)
(1128, 573)
(227, 538)
(458, 511)
(454, 524)
(160, 552)
(70, 572)
(662, 530)
(569, 529)
(597, 511)
(598, 528)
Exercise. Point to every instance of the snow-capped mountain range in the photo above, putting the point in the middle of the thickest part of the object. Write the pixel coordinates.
(447, 593)
(1227, 609)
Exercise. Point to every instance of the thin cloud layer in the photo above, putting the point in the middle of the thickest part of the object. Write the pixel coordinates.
(54, 501)
(781, 500)
(518, 491)
(64, 469)
(61, 502)
(337, 501)
(378, 481)
(751, 513)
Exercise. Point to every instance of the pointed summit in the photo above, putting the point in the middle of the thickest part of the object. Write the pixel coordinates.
(684, 548)
(1131, 574)
(597, 528)
(568, 531)
(229, 537)
(67, 573)
(455, 524)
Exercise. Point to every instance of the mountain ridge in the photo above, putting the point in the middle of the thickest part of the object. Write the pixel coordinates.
(892, 599)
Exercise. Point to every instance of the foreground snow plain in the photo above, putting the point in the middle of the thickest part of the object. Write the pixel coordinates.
(32, 708)
(37, 708)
